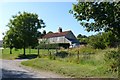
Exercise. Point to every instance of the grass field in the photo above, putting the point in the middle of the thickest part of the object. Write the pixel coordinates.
(91, 66)
(70, 69)
(17, 53)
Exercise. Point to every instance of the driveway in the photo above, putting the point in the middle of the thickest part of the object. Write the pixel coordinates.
(13, 69)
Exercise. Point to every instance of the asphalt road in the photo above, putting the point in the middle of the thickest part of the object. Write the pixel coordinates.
(13, 69)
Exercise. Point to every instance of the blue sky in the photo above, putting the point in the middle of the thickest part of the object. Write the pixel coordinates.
(54, 14)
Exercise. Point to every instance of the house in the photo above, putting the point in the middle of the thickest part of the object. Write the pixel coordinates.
(1, 43)
(61, 37)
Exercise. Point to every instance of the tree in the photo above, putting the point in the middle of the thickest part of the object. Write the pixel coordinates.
(109, 39)
(96, 41)
(50, 32)
(25, 30)
(11, 40)
(8, 40)
(40, 35)
(106, 15)
(44, 32)
(81, 36)
(103, 40)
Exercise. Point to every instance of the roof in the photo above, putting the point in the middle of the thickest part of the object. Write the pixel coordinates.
(57, 34)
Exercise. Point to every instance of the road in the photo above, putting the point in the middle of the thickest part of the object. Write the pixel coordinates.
(13, 69)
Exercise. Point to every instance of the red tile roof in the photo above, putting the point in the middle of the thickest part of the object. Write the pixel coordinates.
(58, 34)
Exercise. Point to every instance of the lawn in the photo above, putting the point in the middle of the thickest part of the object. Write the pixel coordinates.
(90, 64)
(7, 55)
(70, 69)
(93, 65)
(18, 53)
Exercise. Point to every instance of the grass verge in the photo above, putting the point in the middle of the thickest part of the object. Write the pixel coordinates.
(70, 69)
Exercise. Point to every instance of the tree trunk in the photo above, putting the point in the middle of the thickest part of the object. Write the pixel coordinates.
(38, 53)
(10, 50)
(24, 51)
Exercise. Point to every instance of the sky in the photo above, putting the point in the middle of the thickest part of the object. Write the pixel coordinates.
(54, 14)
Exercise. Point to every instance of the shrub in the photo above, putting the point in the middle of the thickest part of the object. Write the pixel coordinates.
(113, 58)
(103, 40)
(87, 50)
(62, 54)
(97, 42)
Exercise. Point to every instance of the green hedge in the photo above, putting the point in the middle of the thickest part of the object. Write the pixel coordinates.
(62, 54)
(53, 46)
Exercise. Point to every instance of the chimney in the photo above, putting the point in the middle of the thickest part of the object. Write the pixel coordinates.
(60, 29)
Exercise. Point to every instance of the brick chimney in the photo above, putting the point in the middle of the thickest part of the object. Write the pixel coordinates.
(60, 30)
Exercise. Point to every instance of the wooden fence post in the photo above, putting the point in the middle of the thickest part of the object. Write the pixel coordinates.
(50, 56)
(78, 57)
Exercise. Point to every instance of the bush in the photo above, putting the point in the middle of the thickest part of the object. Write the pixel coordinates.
(96, 41)
(113, 58)
(87, 50)
(62, 54)
(103, 40)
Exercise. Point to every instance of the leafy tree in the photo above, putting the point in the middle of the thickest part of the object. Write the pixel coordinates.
(8, 40)
(11, 40)
(106, 15)
(103, 40)
(96, 41)
(50, 32)
(39, 35)
(109, 39)
(81, 36)
(44, 32)
(24, 27)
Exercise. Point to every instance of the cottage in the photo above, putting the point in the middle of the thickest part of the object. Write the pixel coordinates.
(1, 43)
(61, 37)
